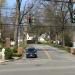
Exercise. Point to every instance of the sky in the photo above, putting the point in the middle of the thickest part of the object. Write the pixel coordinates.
(11, 3)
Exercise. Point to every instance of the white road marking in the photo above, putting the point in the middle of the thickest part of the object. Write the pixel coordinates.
(48, 55)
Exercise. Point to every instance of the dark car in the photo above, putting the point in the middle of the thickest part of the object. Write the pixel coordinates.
(31, 53)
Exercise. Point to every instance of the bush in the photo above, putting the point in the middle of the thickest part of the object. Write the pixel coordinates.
(39, 43)
(16, 55)
(14, 49)
(0, 40)
(8, 53)
(68, 41)
(1, 44)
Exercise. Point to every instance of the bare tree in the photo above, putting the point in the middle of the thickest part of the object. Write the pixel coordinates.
(55, 16)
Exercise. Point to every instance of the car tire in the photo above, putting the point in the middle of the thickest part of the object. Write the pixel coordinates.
(26, 56)
(35, 56)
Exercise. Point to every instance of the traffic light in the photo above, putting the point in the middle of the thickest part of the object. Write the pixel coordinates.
(30, 21)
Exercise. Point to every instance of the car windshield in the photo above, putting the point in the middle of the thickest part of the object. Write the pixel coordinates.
(31, 49)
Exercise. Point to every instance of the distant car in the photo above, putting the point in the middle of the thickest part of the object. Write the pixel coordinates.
(31, 53)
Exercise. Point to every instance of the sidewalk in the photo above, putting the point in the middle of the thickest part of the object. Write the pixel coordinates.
(1, 61)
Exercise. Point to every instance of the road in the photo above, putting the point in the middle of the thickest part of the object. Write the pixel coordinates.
(50, 61)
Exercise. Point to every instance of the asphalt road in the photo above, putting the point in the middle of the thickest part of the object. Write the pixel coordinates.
(50, 61)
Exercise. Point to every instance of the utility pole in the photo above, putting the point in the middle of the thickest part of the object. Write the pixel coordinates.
(0, 21)
(0, 14)
(63, 22)
(63, 42)
(18, 22)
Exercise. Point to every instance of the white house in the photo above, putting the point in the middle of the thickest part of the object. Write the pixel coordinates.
(29, 37)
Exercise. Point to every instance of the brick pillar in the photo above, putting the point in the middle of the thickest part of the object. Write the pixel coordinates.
(7, 42)
(20, 50)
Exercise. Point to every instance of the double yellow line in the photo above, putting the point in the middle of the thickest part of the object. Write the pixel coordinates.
(48, 54)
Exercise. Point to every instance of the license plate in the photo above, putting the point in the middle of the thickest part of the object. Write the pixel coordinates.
(30, 55)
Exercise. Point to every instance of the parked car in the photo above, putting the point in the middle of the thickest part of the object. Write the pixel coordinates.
(31, 52)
